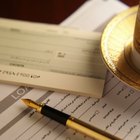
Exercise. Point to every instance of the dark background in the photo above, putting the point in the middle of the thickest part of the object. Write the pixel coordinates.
(48, 11)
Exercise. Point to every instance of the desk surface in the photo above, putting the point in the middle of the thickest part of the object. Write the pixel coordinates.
(130, 2)
(50, 11)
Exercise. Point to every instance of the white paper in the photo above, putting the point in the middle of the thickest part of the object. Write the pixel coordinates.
(118, 112)
(51, 57)
(94, 14)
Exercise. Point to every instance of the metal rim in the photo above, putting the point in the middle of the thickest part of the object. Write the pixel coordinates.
(116, 45)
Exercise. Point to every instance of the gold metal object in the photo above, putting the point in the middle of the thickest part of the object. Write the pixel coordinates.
(135, 53)
(116, 47)
(89, 130)
(76, 124)
(32, 104)
(137, 32)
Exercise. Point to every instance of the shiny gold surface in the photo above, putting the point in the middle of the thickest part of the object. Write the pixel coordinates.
(32, 104)
(89, 130)
(137, 32)
(76, 124)
(116, 43)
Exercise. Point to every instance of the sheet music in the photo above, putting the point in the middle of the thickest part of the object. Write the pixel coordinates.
(118, 112)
